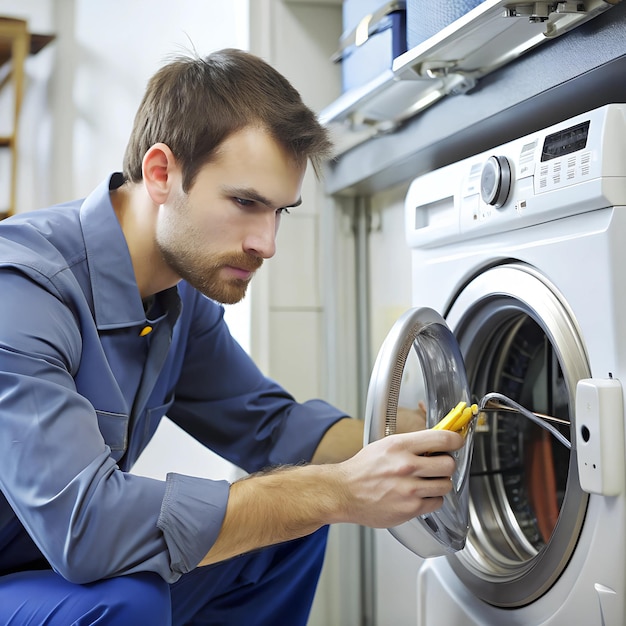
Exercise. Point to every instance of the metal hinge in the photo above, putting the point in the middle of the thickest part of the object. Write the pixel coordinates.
(541, 11)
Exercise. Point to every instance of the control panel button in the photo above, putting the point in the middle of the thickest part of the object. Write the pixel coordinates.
(495, 181)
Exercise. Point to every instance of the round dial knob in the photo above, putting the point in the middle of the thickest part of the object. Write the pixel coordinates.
(495, 181)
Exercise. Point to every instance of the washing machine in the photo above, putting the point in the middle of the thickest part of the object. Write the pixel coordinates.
(519, 253)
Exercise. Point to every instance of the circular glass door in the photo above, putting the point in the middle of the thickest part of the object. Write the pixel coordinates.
(422, 335)
(518, 337)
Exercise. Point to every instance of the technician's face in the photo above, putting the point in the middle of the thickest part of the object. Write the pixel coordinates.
(216, 236)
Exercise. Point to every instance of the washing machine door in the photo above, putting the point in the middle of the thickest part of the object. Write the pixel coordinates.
(422, 336)
(511, 331)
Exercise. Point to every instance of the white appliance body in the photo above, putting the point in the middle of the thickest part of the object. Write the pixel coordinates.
(526, 244)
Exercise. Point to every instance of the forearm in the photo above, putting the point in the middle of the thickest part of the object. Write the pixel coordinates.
(341, 441)
(345, 438)
(384, 484)
(280, 505)
(290, 502)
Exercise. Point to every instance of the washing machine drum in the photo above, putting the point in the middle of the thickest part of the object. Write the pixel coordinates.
(517, 488)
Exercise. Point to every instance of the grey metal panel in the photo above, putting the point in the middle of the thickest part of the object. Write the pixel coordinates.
(579, 71)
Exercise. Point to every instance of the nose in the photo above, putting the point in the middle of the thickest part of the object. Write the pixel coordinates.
(261, 237)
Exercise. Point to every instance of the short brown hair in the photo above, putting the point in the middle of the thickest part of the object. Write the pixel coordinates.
(193, 104)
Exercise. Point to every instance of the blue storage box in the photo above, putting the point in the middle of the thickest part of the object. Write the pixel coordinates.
(425, 18)
(374, 35)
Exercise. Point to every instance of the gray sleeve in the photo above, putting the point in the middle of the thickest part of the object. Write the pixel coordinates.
(191, 517)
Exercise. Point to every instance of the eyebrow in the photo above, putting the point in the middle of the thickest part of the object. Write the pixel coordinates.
(253, 194)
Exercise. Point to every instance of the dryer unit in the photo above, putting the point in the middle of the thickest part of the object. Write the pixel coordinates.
(522, 250)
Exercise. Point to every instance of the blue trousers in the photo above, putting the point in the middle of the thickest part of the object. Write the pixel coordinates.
(270, 587)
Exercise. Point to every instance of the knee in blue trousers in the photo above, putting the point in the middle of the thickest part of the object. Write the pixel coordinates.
(44, 597)
(270, 587)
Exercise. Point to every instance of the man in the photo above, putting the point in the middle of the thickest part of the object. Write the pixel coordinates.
(108, 321)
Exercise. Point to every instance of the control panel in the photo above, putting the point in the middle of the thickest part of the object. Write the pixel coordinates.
(566, 169)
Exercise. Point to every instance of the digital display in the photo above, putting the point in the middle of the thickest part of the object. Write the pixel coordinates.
(565, 141)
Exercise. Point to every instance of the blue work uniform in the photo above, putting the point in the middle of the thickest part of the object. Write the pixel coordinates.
(86, 374)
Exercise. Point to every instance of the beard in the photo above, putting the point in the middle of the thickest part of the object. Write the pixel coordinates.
(184, 251)
(205, 275)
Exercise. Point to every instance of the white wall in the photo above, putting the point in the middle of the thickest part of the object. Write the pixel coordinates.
(83, 89)
(119, 45)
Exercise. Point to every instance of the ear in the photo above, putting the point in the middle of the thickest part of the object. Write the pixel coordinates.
(160, 172)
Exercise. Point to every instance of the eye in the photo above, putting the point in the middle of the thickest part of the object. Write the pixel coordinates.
(243, 202)
(283, 211)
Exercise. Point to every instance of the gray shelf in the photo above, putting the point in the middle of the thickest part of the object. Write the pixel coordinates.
(575, 72)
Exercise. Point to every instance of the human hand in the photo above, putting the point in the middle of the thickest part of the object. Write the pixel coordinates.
(409, 420)
(398, 477)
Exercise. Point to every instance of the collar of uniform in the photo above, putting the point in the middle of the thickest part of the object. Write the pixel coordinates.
(116, 298)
